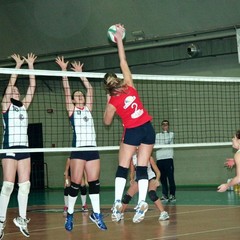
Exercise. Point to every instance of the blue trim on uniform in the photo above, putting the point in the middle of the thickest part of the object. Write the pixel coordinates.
(74, 131)
(6, 129)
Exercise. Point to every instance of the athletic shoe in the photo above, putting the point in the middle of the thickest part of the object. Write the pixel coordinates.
(84, 208)
(2, 226)
(172, 198)
(164, 198)
(98, 219)
(69, 222)
(116, 211)
(141, 209)
(65, 209)
(163, 216)
(22, 224)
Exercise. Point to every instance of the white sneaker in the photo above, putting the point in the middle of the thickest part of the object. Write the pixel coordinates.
(172, 198)
(116, 211)
(141, 209)
(22, 224)
(163, 216)
(2, 226)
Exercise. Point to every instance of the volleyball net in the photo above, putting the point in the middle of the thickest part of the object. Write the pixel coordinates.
(202, 111)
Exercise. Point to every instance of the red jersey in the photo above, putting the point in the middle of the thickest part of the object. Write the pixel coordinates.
(130, 108)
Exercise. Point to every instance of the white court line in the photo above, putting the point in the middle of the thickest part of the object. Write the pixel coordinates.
(195, 233)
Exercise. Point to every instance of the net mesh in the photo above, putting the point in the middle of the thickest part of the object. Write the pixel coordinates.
(200, 110)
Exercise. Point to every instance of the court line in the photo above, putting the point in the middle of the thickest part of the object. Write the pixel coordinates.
(195, 233)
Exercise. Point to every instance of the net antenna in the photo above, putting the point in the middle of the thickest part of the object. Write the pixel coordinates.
(238, 43)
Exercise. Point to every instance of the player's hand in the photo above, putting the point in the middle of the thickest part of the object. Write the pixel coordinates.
(120, 31)
(60, 61)
(30, 59)
(222, 188)
(230, 163)
(19, 61)
(67, 181)
(77, 66)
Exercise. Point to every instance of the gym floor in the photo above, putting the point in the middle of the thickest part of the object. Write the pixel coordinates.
(197, 214)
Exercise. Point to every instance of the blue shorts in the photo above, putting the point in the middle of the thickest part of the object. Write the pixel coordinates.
(142, 134)
(85, 155)
(16, 156)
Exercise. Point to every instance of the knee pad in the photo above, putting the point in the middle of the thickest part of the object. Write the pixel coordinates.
(83, 190)
(73, 189)
(141, 173)
(153, 195)
(66, 191)
(24, 188)
(122, 172)
(126, 199)
(94, 187)
(7, 188)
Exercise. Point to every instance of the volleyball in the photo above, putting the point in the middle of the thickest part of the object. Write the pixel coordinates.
(111, 32)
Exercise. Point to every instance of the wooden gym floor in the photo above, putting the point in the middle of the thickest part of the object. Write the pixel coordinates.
(201, 214)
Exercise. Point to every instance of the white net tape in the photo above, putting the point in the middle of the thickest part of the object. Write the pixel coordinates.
(184, 91)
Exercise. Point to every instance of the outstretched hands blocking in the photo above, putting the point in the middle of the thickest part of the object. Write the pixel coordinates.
(77, 66)
(60, 61)
(30, 59)
(19, 61)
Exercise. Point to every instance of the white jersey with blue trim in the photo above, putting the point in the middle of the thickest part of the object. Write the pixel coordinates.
(15, 123)
(83, 127)
(150, 172)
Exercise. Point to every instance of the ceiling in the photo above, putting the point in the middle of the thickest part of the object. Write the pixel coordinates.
(77, 28)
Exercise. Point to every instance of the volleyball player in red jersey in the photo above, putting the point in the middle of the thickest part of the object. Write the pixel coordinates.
(123, 99)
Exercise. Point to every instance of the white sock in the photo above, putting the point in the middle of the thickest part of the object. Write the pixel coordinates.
(4, 201)
(22, 204)
(71, 204)
(119, 187)
(95, 201)
(142, 189)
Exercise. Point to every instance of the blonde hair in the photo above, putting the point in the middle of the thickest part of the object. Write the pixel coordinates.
(113, 84)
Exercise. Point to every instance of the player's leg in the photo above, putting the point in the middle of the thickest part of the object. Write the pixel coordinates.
(93, 172)
(155, 199)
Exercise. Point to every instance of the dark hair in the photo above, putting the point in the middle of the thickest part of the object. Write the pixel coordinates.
(72, 95)
(238, 134)
(165, 122)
